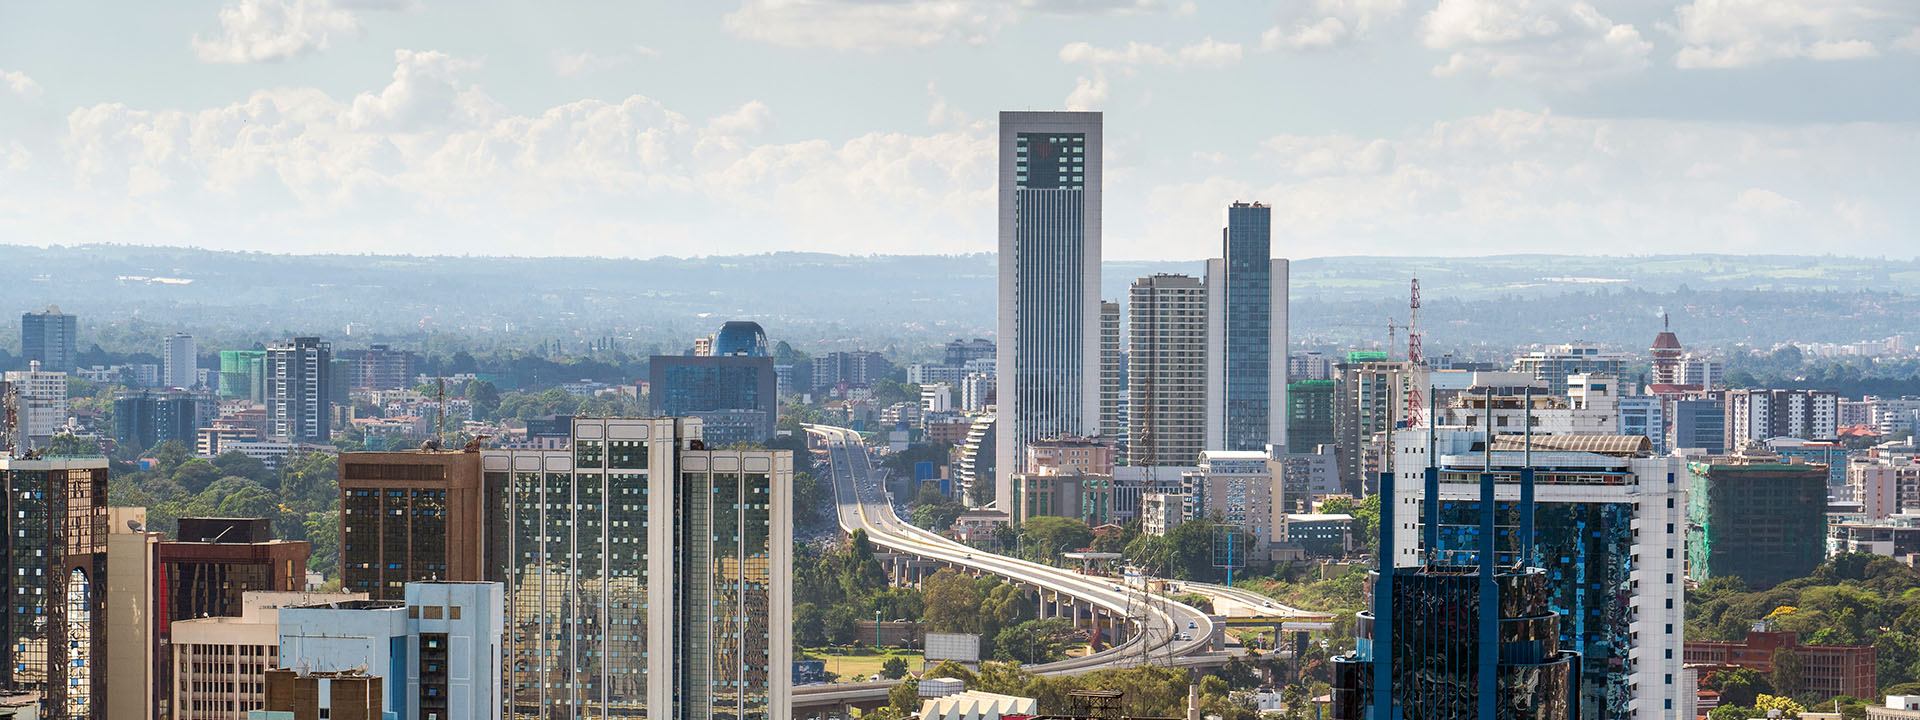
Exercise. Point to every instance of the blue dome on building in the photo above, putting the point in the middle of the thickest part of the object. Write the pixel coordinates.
(741, 337)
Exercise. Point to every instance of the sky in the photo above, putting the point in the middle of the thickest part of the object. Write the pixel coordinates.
(642, 128)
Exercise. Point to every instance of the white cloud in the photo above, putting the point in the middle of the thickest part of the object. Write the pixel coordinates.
(1207, 53)
(1330, 23)
(1516, 181)
(870, 25)
(1088, 93)
(19, 84)
(1554, 43)
(263, 30)
(431, 156)
(1744, 33)
(570, 64)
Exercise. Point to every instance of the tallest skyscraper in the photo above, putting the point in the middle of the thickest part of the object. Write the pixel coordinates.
(1247, 335)
(1049, 323)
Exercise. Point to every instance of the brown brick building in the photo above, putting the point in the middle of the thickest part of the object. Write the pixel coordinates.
(1829, 670)
(413, 516)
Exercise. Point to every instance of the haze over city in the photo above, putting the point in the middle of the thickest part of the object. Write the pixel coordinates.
(1462, 127)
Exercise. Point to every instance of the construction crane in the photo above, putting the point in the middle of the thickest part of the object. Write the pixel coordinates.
(1414, 356)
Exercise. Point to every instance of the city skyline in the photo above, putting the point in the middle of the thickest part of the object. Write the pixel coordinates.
(1482, 126)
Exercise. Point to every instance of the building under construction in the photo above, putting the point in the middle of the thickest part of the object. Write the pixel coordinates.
(1756, 517)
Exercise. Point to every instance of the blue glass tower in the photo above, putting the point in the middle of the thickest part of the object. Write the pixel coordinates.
(1247, 335)
(740, 337)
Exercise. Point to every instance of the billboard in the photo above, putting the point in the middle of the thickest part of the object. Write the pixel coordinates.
(959, 647)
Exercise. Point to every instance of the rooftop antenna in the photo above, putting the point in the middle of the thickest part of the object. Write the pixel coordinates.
(1414, 356)
(440, 413)
(1525, 555)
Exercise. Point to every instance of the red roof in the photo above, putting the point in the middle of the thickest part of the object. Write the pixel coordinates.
(1665, 341)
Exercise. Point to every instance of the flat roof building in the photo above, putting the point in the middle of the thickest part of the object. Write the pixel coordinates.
(414, 516)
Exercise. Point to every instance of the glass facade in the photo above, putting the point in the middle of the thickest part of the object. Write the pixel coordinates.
(55, 551)
(1586, 551)
(1050, 238)
(1435, 644)
(601, 621)
(1310, 417)
(1249, 326)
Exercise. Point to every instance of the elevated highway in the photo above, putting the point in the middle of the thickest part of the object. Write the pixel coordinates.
(1150, 627)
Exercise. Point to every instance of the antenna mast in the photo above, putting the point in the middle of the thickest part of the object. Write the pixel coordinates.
(1414, 357)
(440, 413)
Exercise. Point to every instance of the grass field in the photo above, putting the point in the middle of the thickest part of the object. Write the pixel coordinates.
(852, 668)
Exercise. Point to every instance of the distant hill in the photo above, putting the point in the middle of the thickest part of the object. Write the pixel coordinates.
(126, 295)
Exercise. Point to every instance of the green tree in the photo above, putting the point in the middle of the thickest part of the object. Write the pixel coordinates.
(904, 697)
(952, 602)
(1785, 705)
(67, 445)
(1034, 641)
(310, 482)
(894, 668)
(1786, 678)
(196, 474)
(484, 397)
(238, 464)
(1048, 536)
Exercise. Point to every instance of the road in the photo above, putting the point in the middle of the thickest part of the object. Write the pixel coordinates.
(863, 504)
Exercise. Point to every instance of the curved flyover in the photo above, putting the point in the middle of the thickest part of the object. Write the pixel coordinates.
(862, 504)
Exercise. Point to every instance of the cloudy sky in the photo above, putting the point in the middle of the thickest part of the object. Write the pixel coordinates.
(642, 128)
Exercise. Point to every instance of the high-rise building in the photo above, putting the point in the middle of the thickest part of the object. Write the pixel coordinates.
(243, 375)
(1049, 269)
(143, 419)
(1644, 416)
(646, 574)
(1371, 399)
(48, 337)
(56, 612)
(179, 359)
(855, 369)
(1761, 415)
(1700, 423)
(960, 352)
(1237, 486)
(299, 389)
(1451, 633)
(1555, 363)
(1608, 530)
(1167, 379)
(734, 395)
(42, 403)
(1247, 335)
(1666, 354)
(134, 600)
(976, 392)
(1702, 372)
(1755, 517)
(740, 337)
(438, 650)
(974, 469)
(1311, 410)
(415, 516)
(210, 567)
(1310, 365)
(1113, 375)
(380, 367)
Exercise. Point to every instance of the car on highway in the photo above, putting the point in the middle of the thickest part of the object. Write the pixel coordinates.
(1191, 626)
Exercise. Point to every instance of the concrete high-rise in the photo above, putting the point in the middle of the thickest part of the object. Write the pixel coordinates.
(42, 404)
(299, 390)
(179, 362)
(415, 516)
(646, 574)
(54, 629)
(1761, 415)
(1049, 302)
(1247, 335)
(48, 337)
(1167, 393)
(1609, 531)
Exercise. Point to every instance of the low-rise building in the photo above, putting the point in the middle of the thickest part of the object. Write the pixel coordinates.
(1826, 670)
(1324, 535)
(220, 664)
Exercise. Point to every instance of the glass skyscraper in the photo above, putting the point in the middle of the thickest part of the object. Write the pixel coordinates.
(1049, 302)
(646, 576)
(1247, 339)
